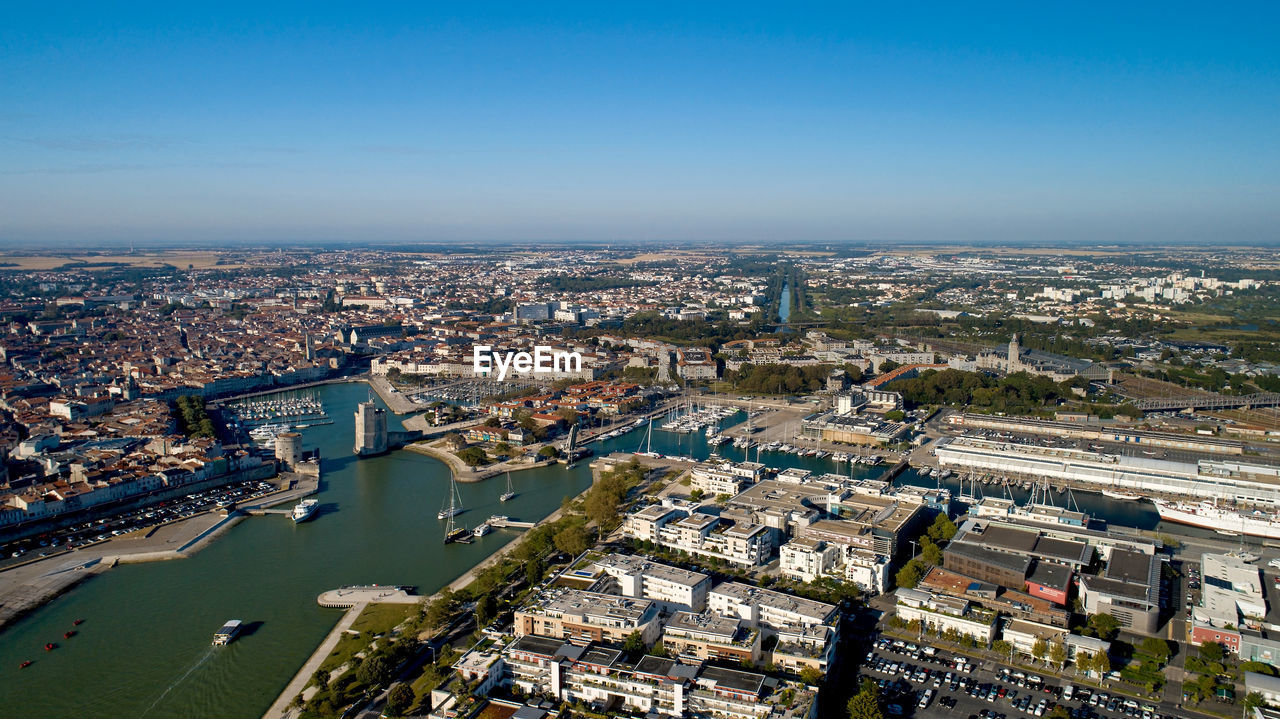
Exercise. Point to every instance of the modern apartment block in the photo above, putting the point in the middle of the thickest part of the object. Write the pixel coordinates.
(581, 617)
(705, 535)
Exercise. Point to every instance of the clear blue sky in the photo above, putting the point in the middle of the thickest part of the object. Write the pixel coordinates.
(1023, 122)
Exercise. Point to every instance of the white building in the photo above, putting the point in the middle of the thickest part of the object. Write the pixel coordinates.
(672, 587)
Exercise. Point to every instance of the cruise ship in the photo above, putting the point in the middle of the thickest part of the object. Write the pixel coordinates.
(1219, 519)
(304, 510)
(227, 633)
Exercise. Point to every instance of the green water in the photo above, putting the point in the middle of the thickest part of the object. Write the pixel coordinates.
(144, 649)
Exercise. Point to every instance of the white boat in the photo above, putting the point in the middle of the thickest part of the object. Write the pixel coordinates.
(228, 632)
(509, 494)
(454, 507)
(1221, 520)
(304, 510)
(1117, 494)
(482, 529)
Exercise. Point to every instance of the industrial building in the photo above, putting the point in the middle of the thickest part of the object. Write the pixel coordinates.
(1225, 479)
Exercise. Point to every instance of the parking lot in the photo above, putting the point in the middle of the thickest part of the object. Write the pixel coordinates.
(99, 530)
(922, 681)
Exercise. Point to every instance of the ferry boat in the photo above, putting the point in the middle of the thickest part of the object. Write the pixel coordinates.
(227, 633)
(510, 494)
(1219, 519)
(304, 510)
(481, 529)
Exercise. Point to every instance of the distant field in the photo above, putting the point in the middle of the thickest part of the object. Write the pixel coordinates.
(178, 258)
(1136, 387)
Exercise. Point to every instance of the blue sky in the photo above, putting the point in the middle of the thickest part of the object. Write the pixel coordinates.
(921, 122)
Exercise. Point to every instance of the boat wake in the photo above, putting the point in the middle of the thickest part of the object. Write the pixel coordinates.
(198, 663)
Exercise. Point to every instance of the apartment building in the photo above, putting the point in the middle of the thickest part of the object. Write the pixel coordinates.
(581, 617)
(639, 577)
(659, 686)
(711, 636)
(705, 535)
(769, 609)
(943, 613)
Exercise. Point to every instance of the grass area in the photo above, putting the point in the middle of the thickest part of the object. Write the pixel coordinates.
(382, 618)
(374, 620)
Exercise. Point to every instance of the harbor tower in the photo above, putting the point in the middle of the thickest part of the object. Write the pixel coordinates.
(371, 429)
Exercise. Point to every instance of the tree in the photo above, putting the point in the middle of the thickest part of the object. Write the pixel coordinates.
(1002, 647)
(374, 671)
(633, 643)
(572, 540)
(473, 456)
(486, 609)
(321, 678)
(696, 495)
(533, 570)
(1252, 701)
(1104, 626)
(1158, 648)
(1258, 668)
(439, 611)
(942, 529)
(1059, 712)
(910, 574)
(1102, 663)
(1058, 654)
(400, 699)
(1212, 652)
(865, 704)
(549, 452)
(1039, 649)
(810, 676)
(930, 552)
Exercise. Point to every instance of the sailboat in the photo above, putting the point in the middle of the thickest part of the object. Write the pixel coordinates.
(453, 532)
(648, 443)
(510, 493)
(455, 505)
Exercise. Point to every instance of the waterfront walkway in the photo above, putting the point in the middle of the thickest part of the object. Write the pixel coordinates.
(280, 708)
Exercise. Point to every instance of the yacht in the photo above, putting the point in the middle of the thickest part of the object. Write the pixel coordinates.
(304, 510)
(508, 495)
(455, 506)
(481, 529)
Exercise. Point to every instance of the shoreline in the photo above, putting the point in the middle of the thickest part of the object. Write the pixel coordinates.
(465, 474)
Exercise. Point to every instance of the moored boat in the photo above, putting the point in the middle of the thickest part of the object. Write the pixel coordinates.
(1224, 521)
(304, 510)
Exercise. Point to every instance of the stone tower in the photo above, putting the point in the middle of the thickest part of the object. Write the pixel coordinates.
(371, 429)
(289, 449)
(1015, 353)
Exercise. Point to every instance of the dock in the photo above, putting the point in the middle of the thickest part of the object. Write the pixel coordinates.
(510, 524)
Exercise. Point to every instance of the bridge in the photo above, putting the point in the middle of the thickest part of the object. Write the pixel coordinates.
(1209, 401)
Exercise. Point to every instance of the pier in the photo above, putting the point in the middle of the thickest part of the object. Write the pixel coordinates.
(498, 523)
(348, 597)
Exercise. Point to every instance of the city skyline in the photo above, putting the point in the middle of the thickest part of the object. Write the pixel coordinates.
(581, 123)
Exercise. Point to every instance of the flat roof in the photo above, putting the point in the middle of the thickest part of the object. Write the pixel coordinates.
(733, 679)
(535, 644)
